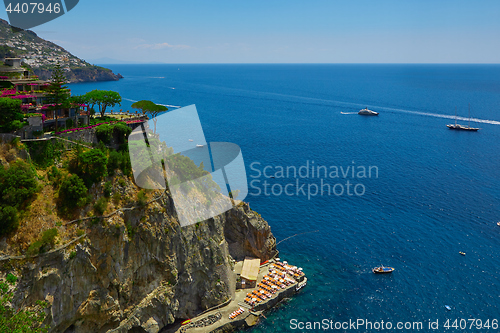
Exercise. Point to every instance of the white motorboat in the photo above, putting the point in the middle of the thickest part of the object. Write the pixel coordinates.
(366, 112)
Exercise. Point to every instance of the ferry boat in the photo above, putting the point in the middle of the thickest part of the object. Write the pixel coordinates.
(383, 270)
(366, 112)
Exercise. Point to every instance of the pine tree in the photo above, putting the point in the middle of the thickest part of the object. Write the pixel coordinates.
(57, 93)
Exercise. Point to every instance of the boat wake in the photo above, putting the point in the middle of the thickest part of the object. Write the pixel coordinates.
(438, 115)
(328, 102)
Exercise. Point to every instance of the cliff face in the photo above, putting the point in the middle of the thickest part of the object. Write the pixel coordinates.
(85, 74)
(139, 270)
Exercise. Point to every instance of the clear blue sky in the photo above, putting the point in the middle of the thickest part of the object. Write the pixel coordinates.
(279, 31)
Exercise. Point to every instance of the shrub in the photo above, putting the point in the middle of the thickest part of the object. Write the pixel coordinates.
(107, 189)
(43, 244)
(73, 193)
(130, 230)
(100, 206)
(104, 133)
(72, 254)
(117, 197)
(49, 236)
(11, 115)
(43, 153)
(122, 182)
(119, 160)
(91, 166)
(18, 184)
(141, 198)
(20, 321)
(8, 219)
(11, 278)
(121, 132)
(55, 176)
(35, 248)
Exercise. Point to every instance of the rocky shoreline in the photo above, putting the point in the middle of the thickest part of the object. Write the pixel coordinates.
(218, 319)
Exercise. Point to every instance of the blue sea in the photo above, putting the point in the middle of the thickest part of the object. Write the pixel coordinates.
(436, 192)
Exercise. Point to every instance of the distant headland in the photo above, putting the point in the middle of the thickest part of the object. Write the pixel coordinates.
(41, 56)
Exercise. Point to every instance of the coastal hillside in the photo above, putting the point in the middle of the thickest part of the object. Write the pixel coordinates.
(41, 56)
(118, 261)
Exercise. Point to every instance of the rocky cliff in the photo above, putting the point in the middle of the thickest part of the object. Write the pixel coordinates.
(139, 271)
(81, 74)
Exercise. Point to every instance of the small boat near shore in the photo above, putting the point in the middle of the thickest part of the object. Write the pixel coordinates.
(366, 112)
(383, 270)
(199, 146)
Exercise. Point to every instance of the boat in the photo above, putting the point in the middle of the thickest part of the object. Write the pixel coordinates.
(462, 253)
(366, 112)
(448, 307)
(301, 285)
(461, 127)
(383, 270)
(199, 146)
(498, 223)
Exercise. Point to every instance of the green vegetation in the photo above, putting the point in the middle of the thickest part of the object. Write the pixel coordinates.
(141, 198)
(101, 98)
(107, 189)
(44, 153)
(72, 194)
(7, 52)
(119, 160)
(148, 106)
(44, 243)
(91, 166)
(119, 131)
(117, 197)
(18, 185)
(100, 120)
(130, 230)
(22, 321)
(11, 278)
(55, 176)
(58, 95)
(184, 168)
(100, 206)
(11, 117)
